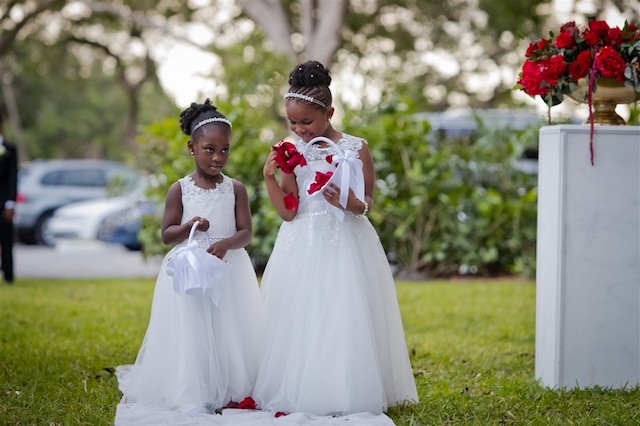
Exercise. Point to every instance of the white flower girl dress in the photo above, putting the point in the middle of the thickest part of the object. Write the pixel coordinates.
(334, 337)
(197, 356)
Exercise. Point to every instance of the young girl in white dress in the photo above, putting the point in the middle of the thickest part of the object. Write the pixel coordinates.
(198, 357)
(334, 338)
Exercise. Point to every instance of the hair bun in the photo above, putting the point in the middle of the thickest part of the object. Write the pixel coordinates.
(209, 106)
(196, 112)
(309, 74)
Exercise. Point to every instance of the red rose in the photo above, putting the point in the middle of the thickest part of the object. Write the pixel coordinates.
(578, 70)
(569, 27)
(329, 159)
(291, 202)
(531, 79)
(599, 27)
(610, 64)
(321, 179)
(288, 157)
(565, 41)
(280, 414)
(539, 76)
(614, 37)
(591, 38)
(536, 48)
(580, 67)
(597, 31)
(247, 404)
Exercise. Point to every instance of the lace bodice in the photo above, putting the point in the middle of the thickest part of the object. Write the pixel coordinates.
(217, 205)
(316, 161)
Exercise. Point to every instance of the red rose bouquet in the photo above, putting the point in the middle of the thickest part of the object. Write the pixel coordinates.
(554, 65)
(288, 157)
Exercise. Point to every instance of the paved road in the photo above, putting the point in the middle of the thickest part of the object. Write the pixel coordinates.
(81, 260)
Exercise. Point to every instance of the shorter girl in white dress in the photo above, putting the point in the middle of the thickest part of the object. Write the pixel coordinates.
(196, 356)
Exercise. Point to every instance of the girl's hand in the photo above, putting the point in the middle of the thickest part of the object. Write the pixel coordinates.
(331, 193)
(270, 165)
(219, 249)
(203, 225)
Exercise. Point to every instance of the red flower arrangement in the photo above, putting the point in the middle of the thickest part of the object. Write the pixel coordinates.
(288, 157)
(554, 65)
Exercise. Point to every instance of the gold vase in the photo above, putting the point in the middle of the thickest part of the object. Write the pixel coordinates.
(608, 94)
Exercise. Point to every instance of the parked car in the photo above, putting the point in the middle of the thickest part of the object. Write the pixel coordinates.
(80, 220)
(46, 185)
(122, 227)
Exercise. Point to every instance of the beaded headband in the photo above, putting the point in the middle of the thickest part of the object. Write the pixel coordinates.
(210, 120)
(304, 98)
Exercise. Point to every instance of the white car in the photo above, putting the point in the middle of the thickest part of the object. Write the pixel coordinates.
(82, 219)
(46, 185)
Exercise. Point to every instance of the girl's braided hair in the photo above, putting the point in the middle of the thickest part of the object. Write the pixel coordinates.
(311, 79)
(195, 113)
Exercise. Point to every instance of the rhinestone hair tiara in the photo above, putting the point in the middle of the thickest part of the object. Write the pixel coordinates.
(304, 98)
(210, 120)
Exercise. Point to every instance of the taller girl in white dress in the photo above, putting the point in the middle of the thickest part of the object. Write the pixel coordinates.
(334, 337)
(196, 356)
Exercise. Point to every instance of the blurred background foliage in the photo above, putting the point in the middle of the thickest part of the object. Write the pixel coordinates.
(81, 79)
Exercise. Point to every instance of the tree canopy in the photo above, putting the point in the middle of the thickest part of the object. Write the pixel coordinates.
(102, 57)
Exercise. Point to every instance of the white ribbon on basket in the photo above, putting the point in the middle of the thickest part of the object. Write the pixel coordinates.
(195, 271)
(348, 174)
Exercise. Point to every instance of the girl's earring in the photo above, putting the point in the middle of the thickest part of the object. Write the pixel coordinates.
(191, 152)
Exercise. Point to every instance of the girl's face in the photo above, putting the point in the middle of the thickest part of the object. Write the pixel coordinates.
(211, 149)
(307, 121)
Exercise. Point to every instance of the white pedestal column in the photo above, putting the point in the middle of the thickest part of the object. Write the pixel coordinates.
(588, 258)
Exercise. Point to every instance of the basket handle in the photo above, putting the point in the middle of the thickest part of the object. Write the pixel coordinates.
(321, 139)
(193, 231)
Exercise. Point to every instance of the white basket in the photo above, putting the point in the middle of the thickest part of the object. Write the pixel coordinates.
(348, 173)
(195, 271)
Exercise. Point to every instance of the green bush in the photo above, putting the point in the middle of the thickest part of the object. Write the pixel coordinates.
(451, 206)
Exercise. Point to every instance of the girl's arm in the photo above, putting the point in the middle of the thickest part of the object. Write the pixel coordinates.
(355, 206)
(172, 231)
(244, 228)
(276, 191)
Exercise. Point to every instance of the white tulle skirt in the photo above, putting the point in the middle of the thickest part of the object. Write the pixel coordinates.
(195, 354)
(334, 337)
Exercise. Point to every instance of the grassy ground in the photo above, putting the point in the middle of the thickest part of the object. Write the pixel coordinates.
(471, 344)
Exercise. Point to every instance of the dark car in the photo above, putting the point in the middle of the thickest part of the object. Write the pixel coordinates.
(46, 185)
(122, 227)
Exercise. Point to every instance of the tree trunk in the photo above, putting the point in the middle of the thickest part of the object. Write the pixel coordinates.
(269, 15)
(320, 25)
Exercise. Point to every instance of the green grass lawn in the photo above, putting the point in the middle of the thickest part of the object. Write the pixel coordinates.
(471, 345)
